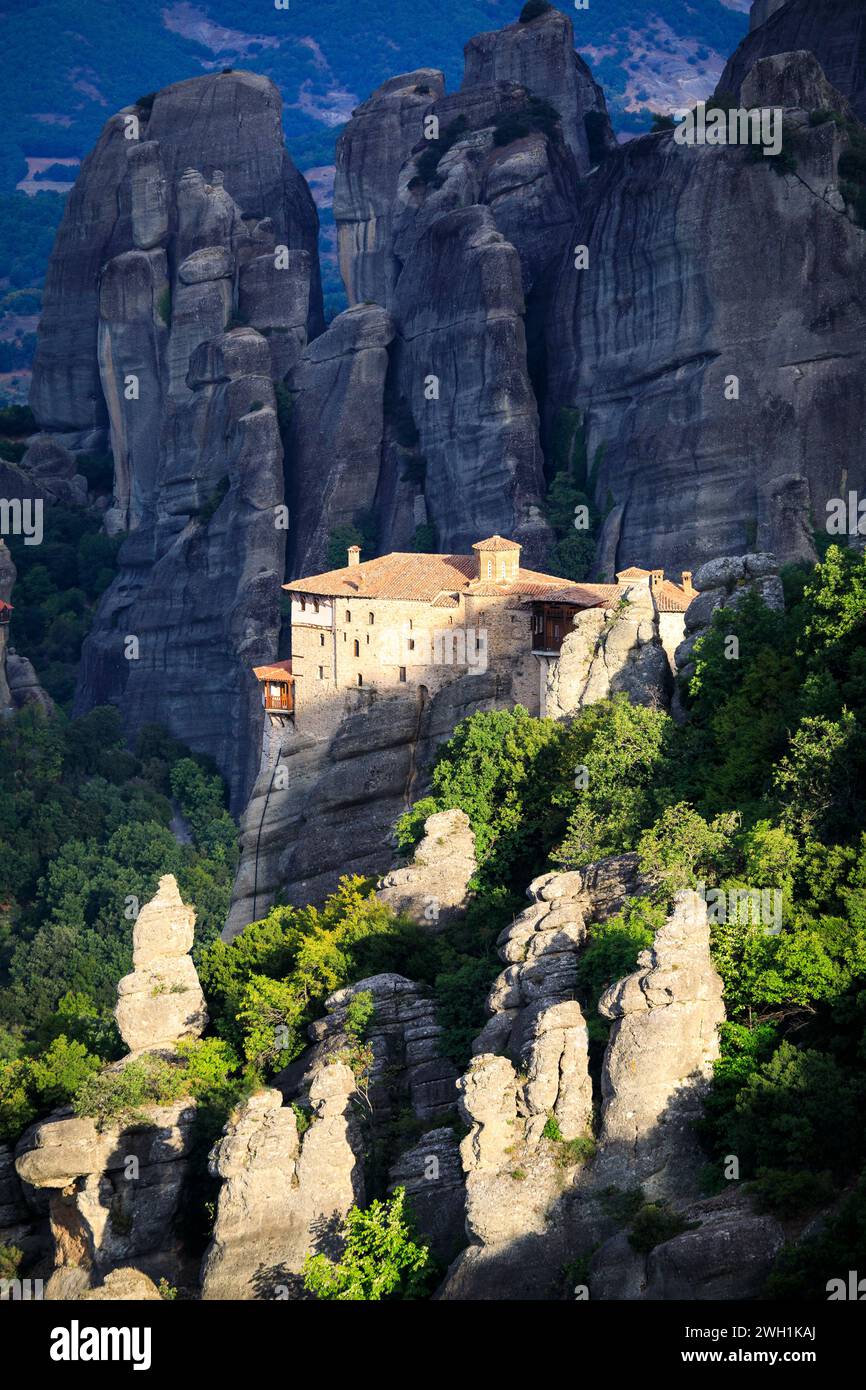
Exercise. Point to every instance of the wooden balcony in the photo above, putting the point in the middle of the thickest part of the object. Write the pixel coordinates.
(278, 687)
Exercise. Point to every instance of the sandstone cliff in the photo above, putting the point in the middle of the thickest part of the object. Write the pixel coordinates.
(834, 30)
(117, 1189)
(727, 425)
(184, 282)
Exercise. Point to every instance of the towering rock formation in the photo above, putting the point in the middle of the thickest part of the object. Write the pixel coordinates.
(283, 1197)
(740, 404)
(162, 1000)
(225, 121)
(338, 390)
(187, 219)
(611, 652)
(370, 153)
(115, 1189)
(434, 889)
(834, 30)
(659, 1057)
(540, 56)
(453, 233)
(406, 1066)
(525, 1217)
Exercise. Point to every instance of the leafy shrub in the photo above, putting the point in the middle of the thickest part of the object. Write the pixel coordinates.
(214, 501)
(791, 1194)
(117, 1097)
(380, 1259)
(803, 1270)
(10, 1260)
(424, 539)
(163, 306)
(428, 161)
(516, 125)
(653, 1224)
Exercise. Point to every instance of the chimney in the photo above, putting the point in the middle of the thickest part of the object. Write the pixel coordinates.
(354, 555)
(687, 582)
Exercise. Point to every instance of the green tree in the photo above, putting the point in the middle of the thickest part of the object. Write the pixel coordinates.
(380, 1259)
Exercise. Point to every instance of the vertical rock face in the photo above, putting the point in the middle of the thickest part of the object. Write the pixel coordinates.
(460, 307)
(834, 30)
(407, 1068)
(761, 11)
(227, 121)
(418, 220)
(652, 345)
(431, 1174)
(540, 55)
(369, 769)
(659, 1057)
(101, 1216)
(191, 213)
(338, 389)
(370, 152)
(162, 1000)
(607, 654)
(282, 1197)
(434, 888)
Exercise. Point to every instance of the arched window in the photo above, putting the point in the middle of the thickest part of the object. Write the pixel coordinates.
(357, 648)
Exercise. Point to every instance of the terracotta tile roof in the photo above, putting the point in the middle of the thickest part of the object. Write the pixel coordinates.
(277, 671)
(419, 578)
(439, 580)
(496, 543)
(4, 604)
(398, 576)
(633, 573)
(577, 595)
(670, 598)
